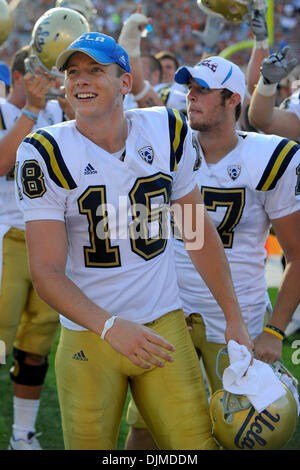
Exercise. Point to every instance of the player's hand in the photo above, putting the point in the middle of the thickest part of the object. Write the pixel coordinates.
(213, 28)
(131, 33)
(237, 331)
(36, 88)
(276, 67)
(268, 348)
(141, 345)
(258, 25)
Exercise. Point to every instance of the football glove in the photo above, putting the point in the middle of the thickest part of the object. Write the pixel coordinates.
(131, 33)
(210, 35)
(277, 67)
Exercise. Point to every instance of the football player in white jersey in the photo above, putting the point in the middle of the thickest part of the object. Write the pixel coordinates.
(248, 181)
(94, 192)
(26, 322)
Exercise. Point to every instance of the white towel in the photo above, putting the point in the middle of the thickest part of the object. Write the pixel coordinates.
(257, 381)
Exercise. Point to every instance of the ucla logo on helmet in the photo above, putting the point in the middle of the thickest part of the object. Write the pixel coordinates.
(234, 171)
(147, 153)
(39, 39)
(250, 434)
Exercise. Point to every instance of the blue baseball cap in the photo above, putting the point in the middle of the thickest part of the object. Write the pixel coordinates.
(102, 48)
(5, 73)
(214, 72)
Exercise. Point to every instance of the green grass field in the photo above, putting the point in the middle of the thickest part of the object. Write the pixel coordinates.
(49, 417)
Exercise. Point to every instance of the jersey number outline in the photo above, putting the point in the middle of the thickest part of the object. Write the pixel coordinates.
(297, 189)
(234, 201)
(100, 253)
(93, 204)
(32, 178)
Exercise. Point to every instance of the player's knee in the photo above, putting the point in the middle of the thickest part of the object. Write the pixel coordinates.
(28, 369)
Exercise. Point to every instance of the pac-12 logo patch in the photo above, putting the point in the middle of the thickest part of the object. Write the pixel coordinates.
(147, 154)
(234, 171)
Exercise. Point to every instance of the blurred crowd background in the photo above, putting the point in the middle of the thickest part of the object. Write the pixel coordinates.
(173, 22)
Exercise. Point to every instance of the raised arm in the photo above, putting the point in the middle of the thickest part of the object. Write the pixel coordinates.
(36, 87)
(263, 114)
(130, 38)
(256, 21)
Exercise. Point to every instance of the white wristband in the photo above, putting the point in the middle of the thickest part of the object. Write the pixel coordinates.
(247, 94)
(266, 90)
(108, 325)
(142, 93)
(264, 44)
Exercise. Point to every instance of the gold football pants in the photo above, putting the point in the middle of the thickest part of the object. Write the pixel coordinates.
(206, 350)
(93, 379)
(26, 321)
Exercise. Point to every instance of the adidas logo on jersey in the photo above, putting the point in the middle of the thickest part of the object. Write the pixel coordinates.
(89, 170)
(80, 356)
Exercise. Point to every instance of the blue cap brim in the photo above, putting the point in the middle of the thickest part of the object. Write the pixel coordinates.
(5, 74)
(183, 76)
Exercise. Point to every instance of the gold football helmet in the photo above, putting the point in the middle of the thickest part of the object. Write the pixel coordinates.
(236, 425)
(85, 7)
(6, 21)
(53, 32)
(231, 10)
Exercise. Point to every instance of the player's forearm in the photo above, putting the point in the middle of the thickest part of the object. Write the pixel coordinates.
(253, 69)
(261, 111)
(56, 289)
(140, 87)
(288, 297)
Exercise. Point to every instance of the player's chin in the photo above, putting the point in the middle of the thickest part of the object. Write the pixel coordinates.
(193, 120)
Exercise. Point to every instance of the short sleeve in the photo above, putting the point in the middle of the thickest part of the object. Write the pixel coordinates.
(38, 196)
(184, 156)
(284, 199)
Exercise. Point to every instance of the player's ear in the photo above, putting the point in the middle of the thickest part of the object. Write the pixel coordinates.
(126, 83)
(234, 100)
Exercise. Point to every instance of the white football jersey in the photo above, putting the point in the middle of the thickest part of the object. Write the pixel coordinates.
(120, 257)
(10, 214)
(292, 104)
(173, 95)
(256, 182)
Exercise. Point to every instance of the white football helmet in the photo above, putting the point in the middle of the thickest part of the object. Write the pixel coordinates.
(236, 425)
(85, 7)
(53, 33)
(232, 10)
(6, 21)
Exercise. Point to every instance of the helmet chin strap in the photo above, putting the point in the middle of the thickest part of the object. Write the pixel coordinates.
(33, 64)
